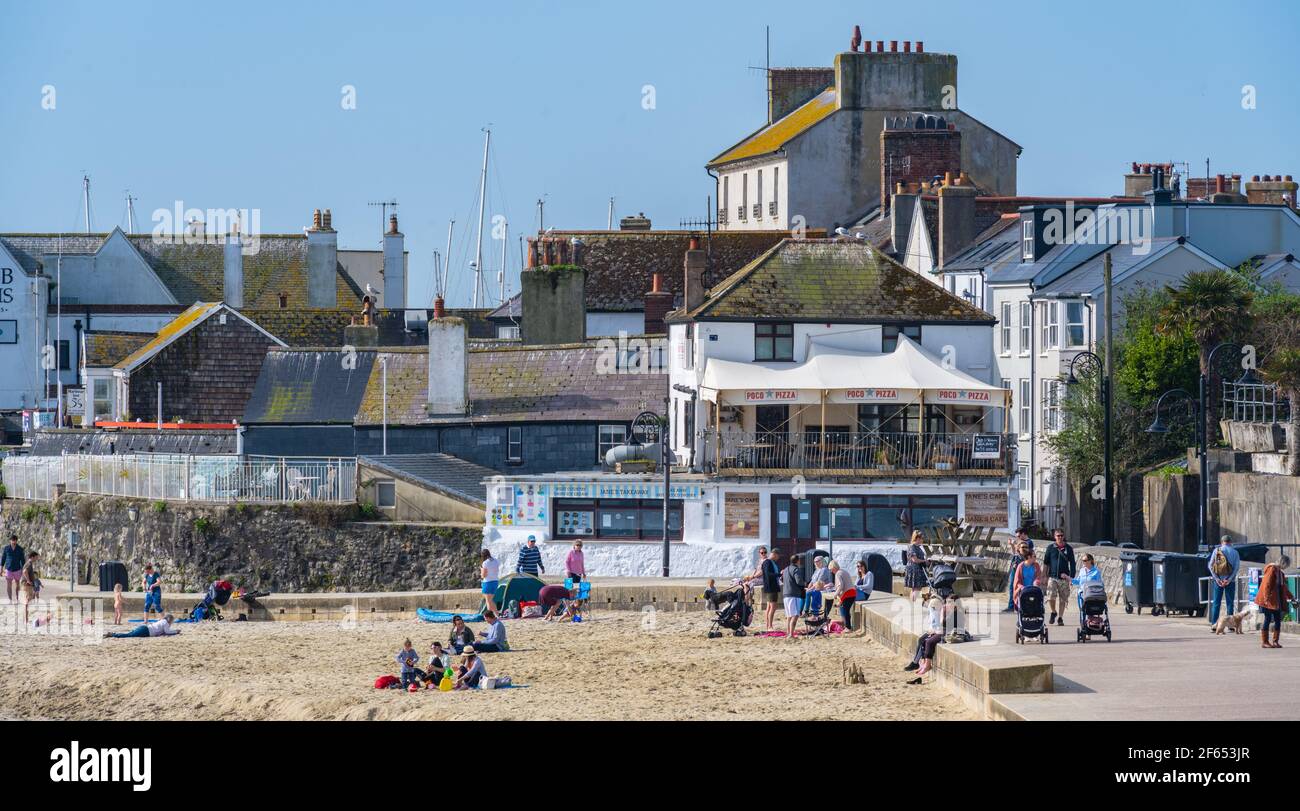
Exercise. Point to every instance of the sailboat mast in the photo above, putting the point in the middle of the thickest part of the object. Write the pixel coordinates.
(482, 200)
(446, 262)
(501, 274)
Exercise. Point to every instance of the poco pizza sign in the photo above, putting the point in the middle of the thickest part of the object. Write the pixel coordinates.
(962, 396)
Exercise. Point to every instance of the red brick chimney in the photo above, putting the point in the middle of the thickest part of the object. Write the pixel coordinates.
(658, 303)
(693, 290)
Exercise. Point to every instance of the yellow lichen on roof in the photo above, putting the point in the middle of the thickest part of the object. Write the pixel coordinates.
(180, 323)
(780, 132)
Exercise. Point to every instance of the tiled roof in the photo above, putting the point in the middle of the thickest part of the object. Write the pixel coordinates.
(780, 132)
(325, 327)
(195, 272)
(995, 243)
(825, 280)
(559, 383)
(28, 249)
(437, 471)
(107, 348)
(170, 330)
(309, 387)
(620, 265)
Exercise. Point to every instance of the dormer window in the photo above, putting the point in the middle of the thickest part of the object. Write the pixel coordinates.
(1027, 240)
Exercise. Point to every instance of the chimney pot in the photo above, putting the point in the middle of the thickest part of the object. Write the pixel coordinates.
(315, 219)
(880, 45)
(893, 46)
(328, 220)
(920, 46)
(947, 178)
(907, 46)
(1287, 178)
(392, 223)
(866, 46)
(439, 310)
(857, 39)
(656, 283)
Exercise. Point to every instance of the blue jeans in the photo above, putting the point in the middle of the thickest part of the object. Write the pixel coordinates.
(1011, 587)
(1216, 592)
(142, 630)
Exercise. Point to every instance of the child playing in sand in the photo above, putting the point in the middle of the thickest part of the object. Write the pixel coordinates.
(472, 671)
(117, 604)
(408, 659)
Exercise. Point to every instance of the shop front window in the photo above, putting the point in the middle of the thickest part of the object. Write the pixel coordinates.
(617, 519)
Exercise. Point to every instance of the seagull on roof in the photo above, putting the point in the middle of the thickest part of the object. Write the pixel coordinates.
(370, 291)
(841, 232)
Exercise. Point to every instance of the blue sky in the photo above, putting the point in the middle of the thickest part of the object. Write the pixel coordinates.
(237, 105)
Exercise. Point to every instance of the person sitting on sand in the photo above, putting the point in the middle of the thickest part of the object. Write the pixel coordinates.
(162, 627)
(471, 672)
(439, 662)
(461, 635)
(494, 638)
(554, 600)
(409, 659)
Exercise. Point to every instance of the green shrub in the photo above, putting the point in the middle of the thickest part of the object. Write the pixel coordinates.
(367, 511)
(160, 506)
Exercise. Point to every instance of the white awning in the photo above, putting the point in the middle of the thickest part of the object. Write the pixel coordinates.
(901, 376)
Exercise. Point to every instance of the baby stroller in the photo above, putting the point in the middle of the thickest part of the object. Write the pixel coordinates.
(734, 612)
(1029, 616)
(1094, 618)
(218, 595)
(942, 579)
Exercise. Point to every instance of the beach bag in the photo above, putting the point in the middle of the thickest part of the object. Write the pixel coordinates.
(1220, 565)
(532, 611)
(496, 682)
(385, 682)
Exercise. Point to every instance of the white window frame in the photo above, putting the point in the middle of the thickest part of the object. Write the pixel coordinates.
(382, 486)
(1026, 327)
(1050, 333)
(1081, 324)
(1026, 393)
(776, 192)
(507, 331)
(1005, 383)
(514, 439)
(1027, 240)
(1006, 328)
(602, 446)
(1051, 404)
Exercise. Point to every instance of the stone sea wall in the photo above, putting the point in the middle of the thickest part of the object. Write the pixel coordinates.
(298, 548)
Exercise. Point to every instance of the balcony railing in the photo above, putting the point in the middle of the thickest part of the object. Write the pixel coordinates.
(856, 454)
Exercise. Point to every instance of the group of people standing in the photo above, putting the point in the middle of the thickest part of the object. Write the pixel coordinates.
(22, 579)
(1054, 574)
(828, 583)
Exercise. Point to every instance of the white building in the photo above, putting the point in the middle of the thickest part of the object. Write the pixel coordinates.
(127, 287)
(1047, 292)
(822, 397)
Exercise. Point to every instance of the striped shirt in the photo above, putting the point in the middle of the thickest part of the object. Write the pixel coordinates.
(530, 560)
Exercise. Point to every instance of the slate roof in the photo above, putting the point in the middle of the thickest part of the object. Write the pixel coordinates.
(827, 280)
(1090, 274)
(101, 442)
(29, 249)
(621, 265)
(995, 243)
(106, 348)
(312, 387)
(441, 472)
(554, 383)
(194, 271)
(316, 328)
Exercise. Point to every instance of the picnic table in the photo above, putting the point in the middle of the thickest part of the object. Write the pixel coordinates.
(960, 545)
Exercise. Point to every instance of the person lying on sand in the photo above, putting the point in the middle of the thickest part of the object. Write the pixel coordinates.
(472, 670)
(162, 627)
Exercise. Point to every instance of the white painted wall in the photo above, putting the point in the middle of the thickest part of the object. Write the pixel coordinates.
(609, 325)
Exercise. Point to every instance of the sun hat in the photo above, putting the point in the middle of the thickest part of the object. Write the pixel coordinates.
(468, 650)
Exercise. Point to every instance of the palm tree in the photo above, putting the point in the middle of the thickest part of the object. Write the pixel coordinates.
(1215, 305)
(1283, 371)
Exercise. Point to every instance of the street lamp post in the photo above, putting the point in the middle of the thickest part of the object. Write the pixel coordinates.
(1094, 365)
(1159, 427)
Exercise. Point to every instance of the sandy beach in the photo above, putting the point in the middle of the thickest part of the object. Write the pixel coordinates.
(617, 665)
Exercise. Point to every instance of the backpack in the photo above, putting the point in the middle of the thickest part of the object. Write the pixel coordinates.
(1220, 565)
(384, 682)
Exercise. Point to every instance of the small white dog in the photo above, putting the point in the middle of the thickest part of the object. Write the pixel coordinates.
(1232, 622)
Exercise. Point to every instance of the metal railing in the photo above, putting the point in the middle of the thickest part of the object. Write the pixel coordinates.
(225, 479)
(1253, 402)
(856, 453)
